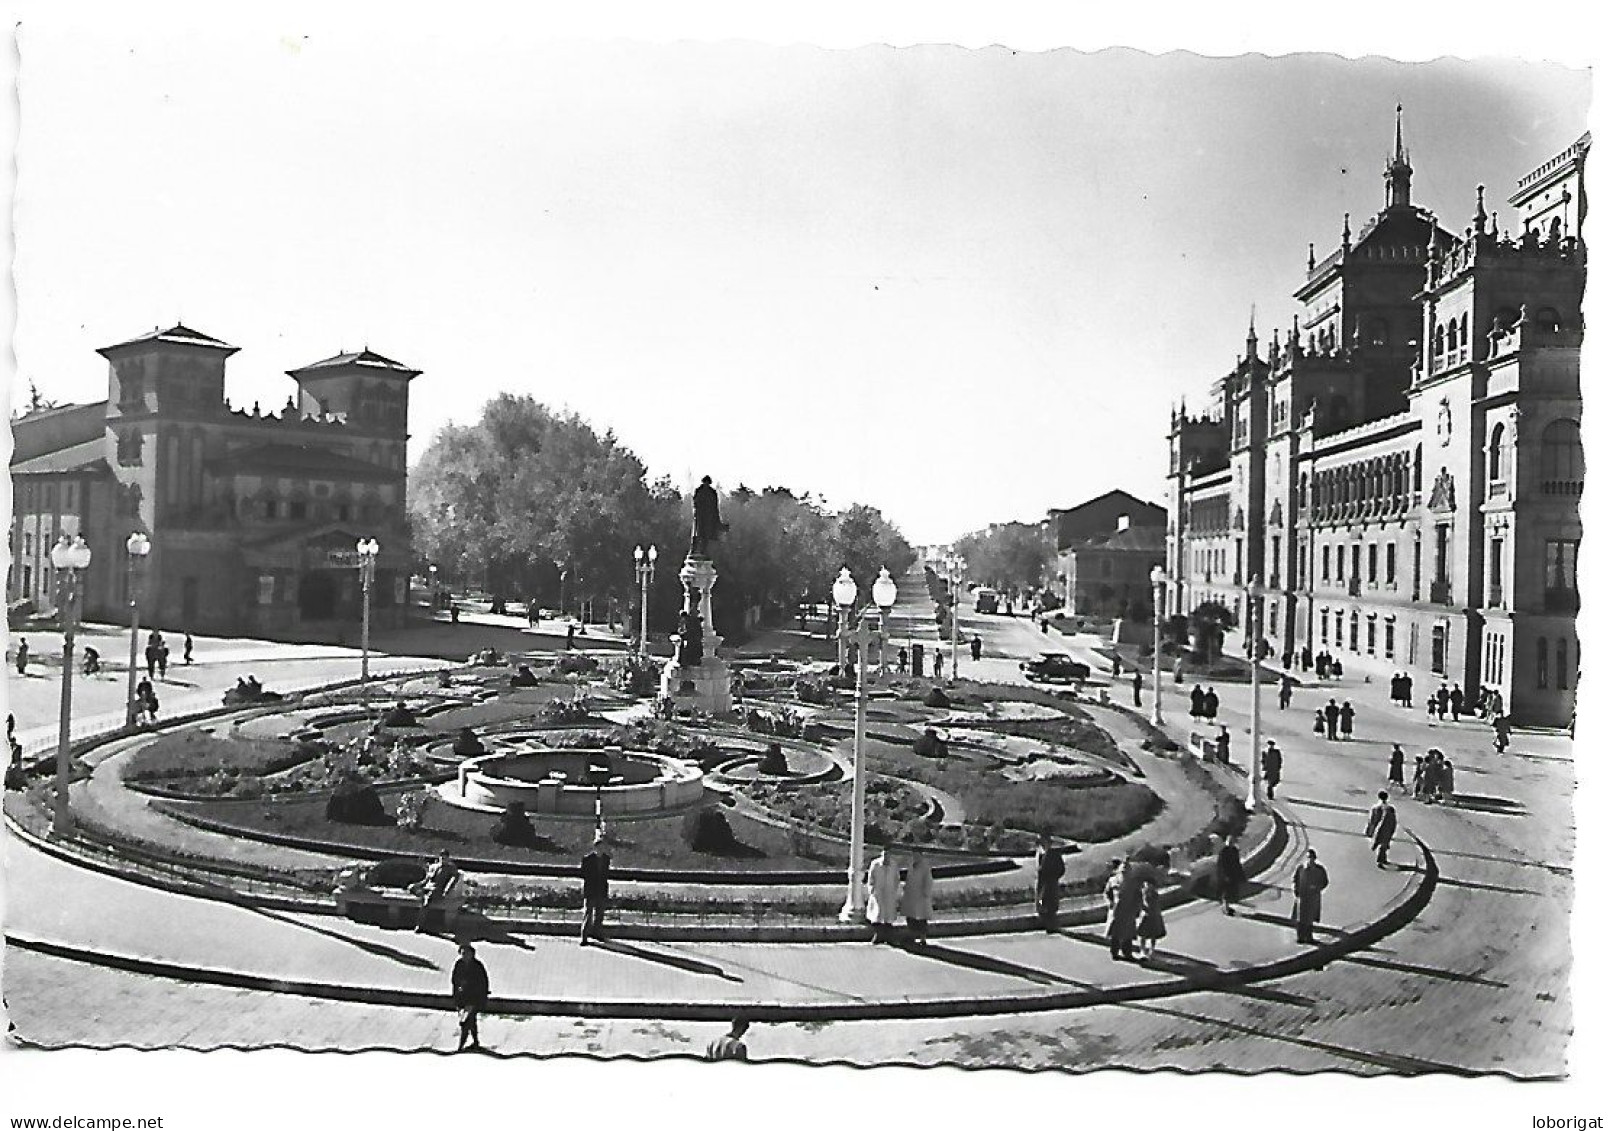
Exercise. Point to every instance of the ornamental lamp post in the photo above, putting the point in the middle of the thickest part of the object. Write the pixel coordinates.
(435, 597)
(884, 597)
(862, 637)
(644, 569)
(954, 582)
(1157, 577)
(138, 547)
(1255, 645)
(844, 592)
(70, 557)
(368, 549)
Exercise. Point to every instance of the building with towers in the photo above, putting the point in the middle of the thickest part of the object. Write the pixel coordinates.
(252, 516)
(1396, 479)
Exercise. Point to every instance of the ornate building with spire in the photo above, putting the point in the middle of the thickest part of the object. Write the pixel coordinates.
(253, 517)
(1397, 481)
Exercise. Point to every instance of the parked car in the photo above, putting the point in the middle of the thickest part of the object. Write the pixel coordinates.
(1055, 667)
(985, 600)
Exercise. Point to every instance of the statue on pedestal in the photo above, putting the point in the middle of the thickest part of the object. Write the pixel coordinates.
(708, 523)
(690, 643)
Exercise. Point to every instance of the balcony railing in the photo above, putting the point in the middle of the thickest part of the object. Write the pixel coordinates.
(1439, 592)
(1498, 488)
(1562, 601)
(1572, 488)
(1493, 598)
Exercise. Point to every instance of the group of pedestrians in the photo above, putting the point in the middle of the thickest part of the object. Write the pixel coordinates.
(1135, 919)
(1204, 703)
(1400, 689)
(1334, 722)
(1326, 666)
(894, 891)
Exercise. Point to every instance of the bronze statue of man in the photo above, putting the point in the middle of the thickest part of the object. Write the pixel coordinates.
(708, 524)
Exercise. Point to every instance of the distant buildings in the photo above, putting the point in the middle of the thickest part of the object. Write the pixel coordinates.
(1106, 548)
(253, 517)
(1398, 478)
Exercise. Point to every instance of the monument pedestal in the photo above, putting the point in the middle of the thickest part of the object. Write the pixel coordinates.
(705, 686)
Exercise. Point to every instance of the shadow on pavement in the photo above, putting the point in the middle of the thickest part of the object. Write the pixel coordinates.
(1423, 971)
(1476, 886)
(666, 958)
(1309, 804)
(1478, 802)
(380, 950)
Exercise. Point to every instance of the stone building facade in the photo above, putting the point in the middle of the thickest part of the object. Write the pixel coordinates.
(1396, 481)
(253, 517)
(1106, 547)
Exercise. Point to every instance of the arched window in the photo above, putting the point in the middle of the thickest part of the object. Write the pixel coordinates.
(1548, 320)
(1461, 336)
(1417, 469)
(1450, 334)
(1562, 458)
(1439, 340)
(1497, 449)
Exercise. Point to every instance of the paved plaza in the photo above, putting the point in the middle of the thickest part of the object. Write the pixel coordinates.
(97, 959)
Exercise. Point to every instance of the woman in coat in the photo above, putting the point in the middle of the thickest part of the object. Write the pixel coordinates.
(884, 891)
(1347, 720)
(1310, 880)
(1212, 704)
(918, 897)
(1150, 919)
(1397, 766)
(1121, 894)
(1196, 702)
(1320, 726)
(1229, 877)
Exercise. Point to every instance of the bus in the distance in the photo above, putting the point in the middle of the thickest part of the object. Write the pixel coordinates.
(985, 600)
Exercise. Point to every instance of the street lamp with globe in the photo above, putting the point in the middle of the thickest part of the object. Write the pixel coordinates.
(863, 637)
(70, 557)
(1157, 577)
(368, 550)
(138, 547)
(644, 568)
(884, 590)
(844, 592)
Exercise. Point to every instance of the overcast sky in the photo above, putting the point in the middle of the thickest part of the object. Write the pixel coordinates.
(963, 286)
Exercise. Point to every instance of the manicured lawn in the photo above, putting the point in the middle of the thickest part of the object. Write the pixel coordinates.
(197, 753)
(657, 843)
(1082, 813)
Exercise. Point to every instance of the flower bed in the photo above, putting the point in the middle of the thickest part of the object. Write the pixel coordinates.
(196, 761)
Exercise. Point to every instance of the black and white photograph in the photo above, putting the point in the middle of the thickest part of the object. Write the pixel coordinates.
(528, 549)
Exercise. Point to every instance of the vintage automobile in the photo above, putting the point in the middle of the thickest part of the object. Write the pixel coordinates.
(1055, 667)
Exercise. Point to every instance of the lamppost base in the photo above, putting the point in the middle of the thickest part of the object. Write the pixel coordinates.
(852, 912)
(61, 826)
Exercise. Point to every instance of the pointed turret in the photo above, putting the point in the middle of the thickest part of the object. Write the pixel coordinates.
(1397, 170)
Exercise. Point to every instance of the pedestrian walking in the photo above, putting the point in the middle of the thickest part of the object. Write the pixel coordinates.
(1271, 768)
(1116, 670)
(162, 660)
(1320, 725)
(918, 892)
(1433, 707)
(1338, 669)
(151, 656)
(1150, 919)
(1458, 702)
(1120, 928)
(1503, 734)
(1445, 779)
(1196, 700)
(1331, 713)
(595, 888)
(884, 894)
(1347, 721)
(1419, 779)
(1310, 881)
(151, 704)
(470, 989)
(731, 1045)
(1305, 658)
(901, 660)
(1223, 747)
(1049, 871)
(1397, 766)
(190, 647)
(22, 656)
(1212, 704)
(1285, 694)
(1229, 877)
(1137, 688)
(571, 635)
(935, 665)
(1381, 825)
(974, 648)
(1443, 698)
(1408, 688)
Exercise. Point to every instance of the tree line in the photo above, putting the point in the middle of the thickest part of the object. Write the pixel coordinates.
(533, 503)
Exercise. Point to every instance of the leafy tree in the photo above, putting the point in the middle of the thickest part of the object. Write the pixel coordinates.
(1008, 555)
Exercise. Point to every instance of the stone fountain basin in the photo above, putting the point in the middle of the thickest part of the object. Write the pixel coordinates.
(555, 782)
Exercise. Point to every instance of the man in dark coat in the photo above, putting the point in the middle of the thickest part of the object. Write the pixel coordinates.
(1196, 699)
(1285, 694)
(1381, 825)
(1229, 876)
(470, 995)
(1123, 893)
(974, 648)
(595, 887)
(1049, 871)
(1310, 880)
(1442, 699)
(1212, 703)
(1271, 768)
(1331, 714)
(1137, 688)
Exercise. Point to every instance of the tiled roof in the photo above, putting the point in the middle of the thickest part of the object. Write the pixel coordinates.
(178, 334)
(367, 359)
(78, 457)
(1136, 538)
(298, 460)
